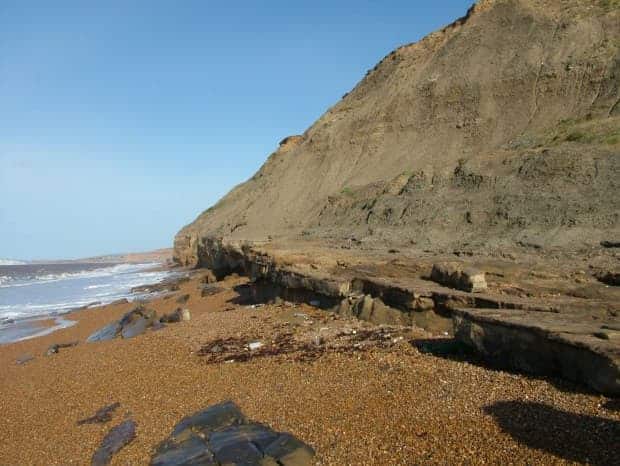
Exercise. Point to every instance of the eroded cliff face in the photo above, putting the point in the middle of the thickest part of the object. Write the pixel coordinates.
(500, 129)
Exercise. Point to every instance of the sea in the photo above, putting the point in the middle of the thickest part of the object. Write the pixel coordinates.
(30, 293)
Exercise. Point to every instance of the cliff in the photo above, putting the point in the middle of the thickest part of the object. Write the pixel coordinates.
(501, 130)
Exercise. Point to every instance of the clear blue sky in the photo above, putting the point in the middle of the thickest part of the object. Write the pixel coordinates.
(121, 120)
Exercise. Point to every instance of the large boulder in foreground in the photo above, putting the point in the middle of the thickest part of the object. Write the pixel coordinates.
(221, 434)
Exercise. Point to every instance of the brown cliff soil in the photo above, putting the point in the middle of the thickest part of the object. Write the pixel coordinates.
(499, 130)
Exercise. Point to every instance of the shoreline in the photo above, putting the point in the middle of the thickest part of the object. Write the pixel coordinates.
(384, 405)
(42, 322)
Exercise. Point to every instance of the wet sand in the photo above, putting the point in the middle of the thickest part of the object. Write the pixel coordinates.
(385, 406)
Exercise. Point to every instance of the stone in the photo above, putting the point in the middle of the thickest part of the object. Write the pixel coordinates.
(179, 315)
(136, 327)
(132, 324)
(221, 435)
(108, 332)
(210, 290)
(421, 303)
(101, 416)
(286, 450)
(610, 277)
(182, 299)
(610, 244)
(193, 451)
(453, 275)
(216, 417)
(114, 440)
(255, 345)
(23, 359)
(53, 349)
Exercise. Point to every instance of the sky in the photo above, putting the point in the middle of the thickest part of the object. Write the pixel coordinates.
(121, 120)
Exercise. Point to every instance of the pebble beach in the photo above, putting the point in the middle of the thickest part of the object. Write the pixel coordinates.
(364, 404)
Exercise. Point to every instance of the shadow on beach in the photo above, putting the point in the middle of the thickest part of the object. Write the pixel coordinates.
(574, 437)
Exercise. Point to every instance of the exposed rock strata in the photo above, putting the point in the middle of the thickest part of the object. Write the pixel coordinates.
(547, 331)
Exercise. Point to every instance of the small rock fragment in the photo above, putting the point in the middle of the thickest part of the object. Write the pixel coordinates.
(255, 345)
(53, 349)
(101, 416)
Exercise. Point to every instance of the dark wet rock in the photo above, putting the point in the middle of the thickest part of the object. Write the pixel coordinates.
(108, 332)
(221, 435)
(114, 440)
(103, 415)
(137, 326)
(213, 418)
(53, 349)
(193, 451)
(610, 244)
(452, 274)
(286, 450)
(609, 277)
(23, 359)
(211, 290)
(183, 299)
(132, 324)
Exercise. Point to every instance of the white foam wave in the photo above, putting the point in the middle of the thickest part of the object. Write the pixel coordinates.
(105, 271)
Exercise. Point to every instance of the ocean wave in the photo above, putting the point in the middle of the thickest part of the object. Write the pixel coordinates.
(106, 271)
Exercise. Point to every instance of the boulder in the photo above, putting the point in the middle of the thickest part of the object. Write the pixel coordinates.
(453, 275)
(221, 434)
(132, 324)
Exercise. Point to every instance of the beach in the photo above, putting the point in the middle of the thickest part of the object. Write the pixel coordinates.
(377, 404)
